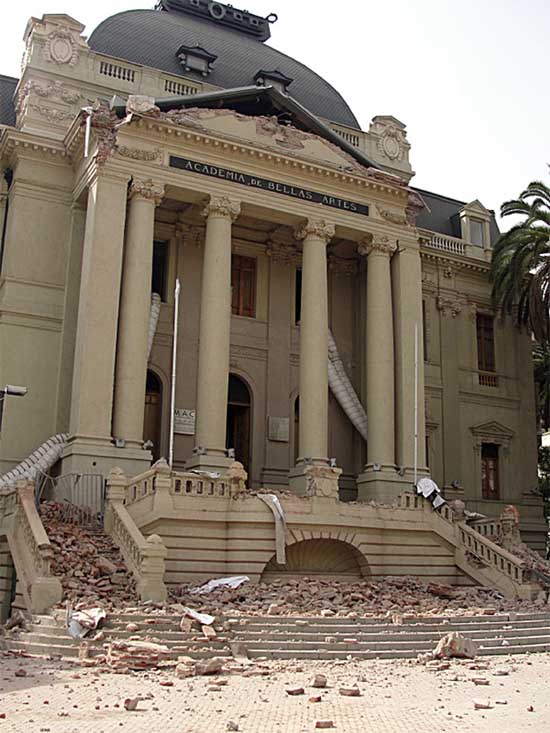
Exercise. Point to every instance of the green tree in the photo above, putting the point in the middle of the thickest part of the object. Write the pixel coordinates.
(520, 268)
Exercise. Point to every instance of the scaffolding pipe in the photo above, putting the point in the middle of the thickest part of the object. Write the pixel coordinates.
(174, 364)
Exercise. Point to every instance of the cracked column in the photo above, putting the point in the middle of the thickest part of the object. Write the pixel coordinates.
(135, 305)
(214, 337)
(313, 438)
(376, 480)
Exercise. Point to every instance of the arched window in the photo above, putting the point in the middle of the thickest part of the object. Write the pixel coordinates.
(239, 419)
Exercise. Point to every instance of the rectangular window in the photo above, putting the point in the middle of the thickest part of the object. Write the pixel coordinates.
(490, 477)
(485, 343)
(476, 232)
(160, 268)
(243, 286)
(298, 297)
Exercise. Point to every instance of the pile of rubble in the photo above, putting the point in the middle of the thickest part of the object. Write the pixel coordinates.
(370, 598)
(88, 563)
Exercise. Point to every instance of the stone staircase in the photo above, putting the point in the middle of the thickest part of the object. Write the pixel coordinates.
(300, 637)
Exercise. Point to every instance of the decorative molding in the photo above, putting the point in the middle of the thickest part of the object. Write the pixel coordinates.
(286, 136)
(51, 114)
(139, 153)
(222, 206)
(394, 217)
(141, 104)
(377, 244)
(246, 352)
(448, 306)
(391, 143)
(53, 90)
(415, 204)
(146, 189)
(492, 432)
(61, 48)
(103, 122)
(283, 253)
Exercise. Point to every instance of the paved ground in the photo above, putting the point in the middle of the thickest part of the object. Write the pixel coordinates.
(396, 697)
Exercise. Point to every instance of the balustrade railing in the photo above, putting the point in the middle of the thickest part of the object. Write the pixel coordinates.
(487, 527)
(189, 484)
(483, 549)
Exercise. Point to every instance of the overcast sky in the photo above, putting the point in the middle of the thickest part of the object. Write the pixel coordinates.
(468, 78)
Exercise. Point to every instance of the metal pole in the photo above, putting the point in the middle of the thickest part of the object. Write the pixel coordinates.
(415, 402)
(174, 363)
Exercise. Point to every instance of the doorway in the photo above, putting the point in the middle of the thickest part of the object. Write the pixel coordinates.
(152, 421)
(238, 420)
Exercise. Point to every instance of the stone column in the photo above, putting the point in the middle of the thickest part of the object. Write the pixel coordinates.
(135, 305)
(313, 352)
(214, 337)
(379, 357)
(90, 448)
(407, 289)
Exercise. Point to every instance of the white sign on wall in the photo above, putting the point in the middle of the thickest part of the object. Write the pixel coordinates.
(184, 421)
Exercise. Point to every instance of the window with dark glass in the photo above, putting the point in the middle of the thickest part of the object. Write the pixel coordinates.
(485, 343)
(160, 268)
(298, 297)
(243, 286)
(490, 478)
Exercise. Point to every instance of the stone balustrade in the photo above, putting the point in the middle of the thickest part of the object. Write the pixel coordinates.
(30, 548)
(145, 557)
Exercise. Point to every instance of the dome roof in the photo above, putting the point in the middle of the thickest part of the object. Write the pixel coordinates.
(153, 37)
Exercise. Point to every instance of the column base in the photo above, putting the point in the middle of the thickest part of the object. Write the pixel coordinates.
(213, 463)
(87, 455)
(315, 479)
(383, 483)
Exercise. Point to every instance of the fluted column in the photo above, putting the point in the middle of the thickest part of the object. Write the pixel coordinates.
(135, 303)
(380, 368)
(214, 335)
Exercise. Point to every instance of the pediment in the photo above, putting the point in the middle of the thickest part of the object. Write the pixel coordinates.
(492, 429)
(266, 133)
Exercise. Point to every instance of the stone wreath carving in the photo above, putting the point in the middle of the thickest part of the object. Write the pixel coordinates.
(390, 143)
(61, 48)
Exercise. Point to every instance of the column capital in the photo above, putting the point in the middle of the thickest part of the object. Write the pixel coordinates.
(146, 189)
(222, 206)
(318, 228)
(378, 244)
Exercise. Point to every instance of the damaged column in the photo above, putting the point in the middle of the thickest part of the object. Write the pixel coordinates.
(313, 437)
(214, 338)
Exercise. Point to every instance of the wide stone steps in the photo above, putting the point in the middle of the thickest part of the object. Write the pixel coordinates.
(300, 638)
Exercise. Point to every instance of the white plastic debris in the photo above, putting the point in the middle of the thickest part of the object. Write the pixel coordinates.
(232, 582)
(203, 618)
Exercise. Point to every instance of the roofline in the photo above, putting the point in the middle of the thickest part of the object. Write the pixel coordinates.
(9, 78)
(286, 101)
(448, 198)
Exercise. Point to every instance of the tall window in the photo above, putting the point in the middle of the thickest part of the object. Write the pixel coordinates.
(424, 334)
(243, 286)
(160, 268)
(490, 478)
(485, 343)
(476, 232)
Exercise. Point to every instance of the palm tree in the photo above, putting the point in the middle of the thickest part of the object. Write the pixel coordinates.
(520, 269)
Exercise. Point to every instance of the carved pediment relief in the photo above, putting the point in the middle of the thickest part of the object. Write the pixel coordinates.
(267, 133)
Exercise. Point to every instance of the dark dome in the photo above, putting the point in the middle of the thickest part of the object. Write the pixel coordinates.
(152, 38)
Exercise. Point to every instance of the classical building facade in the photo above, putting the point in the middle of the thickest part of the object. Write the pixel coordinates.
(174, 144)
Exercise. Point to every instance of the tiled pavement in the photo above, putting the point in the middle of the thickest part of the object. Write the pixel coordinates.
(396, 697)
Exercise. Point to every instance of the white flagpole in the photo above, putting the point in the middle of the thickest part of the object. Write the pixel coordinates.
(415, 403)
(174, 364)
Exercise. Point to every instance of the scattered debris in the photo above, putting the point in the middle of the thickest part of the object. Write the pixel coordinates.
(454, 644)
(320, 680)
(482, 705)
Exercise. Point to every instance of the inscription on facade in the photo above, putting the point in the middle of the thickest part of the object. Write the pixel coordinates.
(265, 184)
(184, 421)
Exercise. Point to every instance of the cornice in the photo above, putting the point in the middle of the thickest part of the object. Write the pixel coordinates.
(373, 180)
(15, 141)
(450, 260)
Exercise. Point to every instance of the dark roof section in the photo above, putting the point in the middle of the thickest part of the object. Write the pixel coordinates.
(152, 37)
(257, 101)
(442, 215)
(7, 105)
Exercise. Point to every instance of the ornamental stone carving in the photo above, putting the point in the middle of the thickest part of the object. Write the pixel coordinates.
(415, 204)
(51, 114)
(342, 265)
(449, 306)
(222, 206)
(376, 244)
(138, 153)
(103, 121)
(146, 189)
(318, 228)
(61, 48)
(189, 233)
(322, 481)
(394, 217)
(141, 105)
